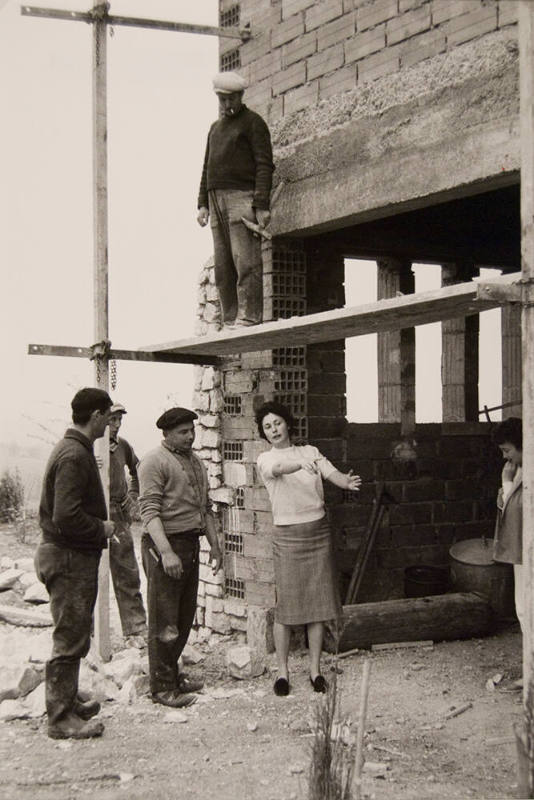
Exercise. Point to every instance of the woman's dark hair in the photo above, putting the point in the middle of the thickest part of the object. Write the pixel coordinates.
(280, 411)
(509, 430)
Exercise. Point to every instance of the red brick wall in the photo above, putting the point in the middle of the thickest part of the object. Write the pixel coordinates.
(303, 51)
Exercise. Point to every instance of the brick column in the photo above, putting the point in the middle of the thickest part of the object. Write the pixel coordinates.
(326, 396)
(511, 359)
(396, 351)
(459, 359)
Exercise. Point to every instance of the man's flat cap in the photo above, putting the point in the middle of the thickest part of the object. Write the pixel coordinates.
(228, 83)
(118, 408)
(175, 416)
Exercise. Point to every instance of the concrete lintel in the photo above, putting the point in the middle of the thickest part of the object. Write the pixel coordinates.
(443, 129)
(358, 193)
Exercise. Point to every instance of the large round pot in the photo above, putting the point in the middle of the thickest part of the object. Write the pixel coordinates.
(472, 569)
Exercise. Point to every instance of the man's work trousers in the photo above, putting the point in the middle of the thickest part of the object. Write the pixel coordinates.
(238, 264)
(125, 576)
(171, 608)
(71, 578)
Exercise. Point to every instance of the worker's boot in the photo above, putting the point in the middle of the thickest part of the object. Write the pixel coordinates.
(174, 698)
(187, 685)
(84, 706)
(61, 691)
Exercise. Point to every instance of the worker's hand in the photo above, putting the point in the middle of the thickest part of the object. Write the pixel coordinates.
(309, 465)
(203, 216)
(263, 217)
(508, 472)
(353, 481)
(109, 528)
(216, 559)
(99, 462)
(172, 564)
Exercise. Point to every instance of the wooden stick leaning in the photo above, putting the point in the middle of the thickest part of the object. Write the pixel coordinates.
(364, 693)
(366, 547)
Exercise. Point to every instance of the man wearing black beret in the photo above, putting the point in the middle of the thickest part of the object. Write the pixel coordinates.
(175, 511)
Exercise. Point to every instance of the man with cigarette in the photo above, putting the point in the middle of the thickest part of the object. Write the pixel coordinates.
(236, 183)
(175, 512)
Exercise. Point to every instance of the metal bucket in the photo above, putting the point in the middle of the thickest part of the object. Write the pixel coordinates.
(472, 569)
(422, 581)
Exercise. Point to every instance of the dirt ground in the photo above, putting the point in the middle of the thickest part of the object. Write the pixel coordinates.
(241, 742)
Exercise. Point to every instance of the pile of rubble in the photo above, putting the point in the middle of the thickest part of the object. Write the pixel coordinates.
(19, 584)
(26, 644)
(124, 679)
(24, 652)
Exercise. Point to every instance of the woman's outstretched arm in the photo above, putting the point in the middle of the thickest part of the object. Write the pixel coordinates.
(345, 480)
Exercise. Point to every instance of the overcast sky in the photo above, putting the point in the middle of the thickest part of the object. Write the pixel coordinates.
(160, 106)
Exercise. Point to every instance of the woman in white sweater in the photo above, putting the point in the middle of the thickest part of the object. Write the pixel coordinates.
(306, 590)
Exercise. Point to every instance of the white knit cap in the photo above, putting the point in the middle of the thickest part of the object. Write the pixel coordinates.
(228, 83)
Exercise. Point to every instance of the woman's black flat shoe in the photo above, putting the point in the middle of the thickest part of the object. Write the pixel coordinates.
(281, 687)
(319, 684)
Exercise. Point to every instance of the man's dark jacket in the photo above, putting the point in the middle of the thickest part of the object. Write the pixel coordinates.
(238, 156)
(73, 505)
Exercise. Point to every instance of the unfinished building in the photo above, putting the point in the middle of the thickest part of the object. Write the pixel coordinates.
(395, 126)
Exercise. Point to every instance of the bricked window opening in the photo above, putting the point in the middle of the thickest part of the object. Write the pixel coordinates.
(289, 357)
(234, 587)
(233, 451)
(240, 497)
(230, 18)
(361, 353)
(291, 380)
(230, 60)
(233, 405)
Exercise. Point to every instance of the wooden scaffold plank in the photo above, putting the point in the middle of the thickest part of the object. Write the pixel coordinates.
(396, 313)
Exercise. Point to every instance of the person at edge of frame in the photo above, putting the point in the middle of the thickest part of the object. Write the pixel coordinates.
(508, 541)
(75, 530)
(235, 184)
(175, 511)
(122, 506)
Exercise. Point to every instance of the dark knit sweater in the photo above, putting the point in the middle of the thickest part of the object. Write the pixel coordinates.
(73, 506)
(238, 156)
(121, 455)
